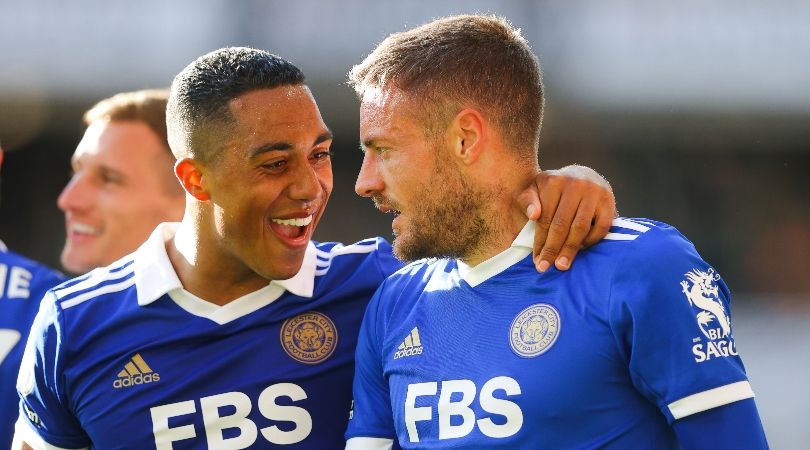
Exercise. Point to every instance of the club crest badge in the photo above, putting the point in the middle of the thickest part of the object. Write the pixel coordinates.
(534, 330)
(309, 338)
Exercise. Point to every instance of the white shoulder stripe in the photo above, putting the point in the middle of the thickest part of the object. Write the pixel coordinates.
(620, 237)
(706, 400)
(94, 278)
(630, 225)
(354, 248)
(96, 292)
(367, 443)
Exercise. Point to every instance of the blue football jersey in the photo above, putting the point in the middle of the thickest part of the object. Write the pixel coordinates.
(636, 335)
(23, 282)
(124, 357)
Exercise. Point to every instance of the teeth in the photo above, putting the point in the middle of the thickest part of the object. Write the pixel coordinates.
(82, 228)
(302, 222)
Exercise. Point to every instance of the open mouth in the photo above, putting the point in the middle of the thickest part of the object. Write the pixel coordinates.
(387, 210)
(294, 228)
(82, 229)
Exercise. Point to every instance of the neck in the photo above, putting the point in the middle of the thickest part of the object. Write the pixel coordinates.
(201, 269)
(506, 219)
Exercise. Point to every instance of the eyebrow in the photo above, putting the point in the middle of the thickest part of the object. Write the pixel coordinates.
(285, 146)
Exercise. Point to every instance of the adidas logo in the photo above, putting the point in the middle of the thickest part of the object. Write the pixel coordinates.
(411, 346)
(135, 372)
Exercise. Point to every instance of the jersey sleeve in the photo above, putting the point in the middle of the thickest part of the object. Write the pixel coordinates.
(46, 420)
(670, 314)
(728, 427)
(371, 420)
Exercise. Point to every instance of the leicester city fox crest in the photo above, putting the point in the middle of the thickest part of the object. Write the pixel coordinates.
(309, 338)
(534, 330)
(703, 294)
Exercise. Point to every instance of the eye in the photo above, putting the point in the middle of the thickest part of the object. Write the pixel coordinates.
(110, 177)
(322, 154)
(275, 166)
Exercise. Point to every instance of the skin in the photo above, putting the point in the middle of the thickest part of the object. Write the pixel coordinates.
(121, 189)
(398, 155)
(274, 166)
(428, 182)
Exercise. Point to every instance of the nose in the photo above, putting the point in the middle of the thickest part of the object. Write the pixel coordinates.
(76, 194)
(306, 184)
(368, 181)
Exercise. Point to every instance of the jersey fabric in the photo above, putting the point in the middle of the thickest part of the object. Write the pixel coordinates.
(23, 282)
(635, 336)
(124, 357)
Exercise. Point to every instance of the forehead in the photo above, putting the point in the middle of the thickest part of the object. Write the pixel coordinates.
(120, 144)
(284, 111)
(385, 111)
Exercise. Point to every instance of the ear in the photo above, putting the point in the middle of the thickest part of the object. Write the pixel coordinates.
(191, 177)
(467, 135)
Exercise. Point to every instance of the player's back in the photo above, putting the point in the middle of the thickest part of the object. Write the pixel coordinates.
(23, 282)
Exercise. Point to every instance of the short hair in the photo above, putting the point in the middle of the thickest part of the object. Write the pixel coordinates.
(462, 61)
(198, 114)
(147, 106)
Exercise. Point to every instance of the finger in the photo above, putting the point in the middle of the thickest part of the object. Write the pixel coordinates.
(580, 227)
(605, 213)
(558, 227)
(550, 194)
(529, 202)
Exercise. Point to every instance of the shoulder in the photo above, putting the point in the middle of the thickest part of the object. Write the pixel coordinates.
(37, 270)
(24, 278)
(367, 254)
(415, 276)
(103, 282)
(639, 240)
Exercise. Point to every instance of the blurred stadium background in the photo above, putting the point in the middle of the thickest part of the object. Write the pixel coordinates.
(697, 112)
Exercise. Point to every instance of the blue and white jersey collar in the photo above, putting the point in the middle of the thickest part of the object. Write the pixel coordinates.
(155, 277)
(521, 248)
(3, 247)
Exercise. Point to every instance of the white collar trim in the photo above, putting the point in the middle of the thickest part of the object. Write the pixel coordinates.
(155, 276)
(3, 247)
(521, 248)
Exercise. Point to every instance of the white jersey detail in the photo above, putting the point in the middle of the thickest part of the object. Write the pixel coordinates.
(117, 287)
(706, 400)
(325, 258)
(93, 279)
(630, 225)
(366, 443)
(620, 237)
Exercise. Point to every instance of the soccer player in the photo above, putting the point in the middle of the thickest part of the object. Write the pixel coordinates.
(22, 284)
(230, 329)
(472, 348)
(123, 184)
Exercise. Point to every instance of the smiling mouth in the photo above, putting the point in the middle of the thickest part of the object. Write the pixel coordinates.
(78, 228)
(293, 228)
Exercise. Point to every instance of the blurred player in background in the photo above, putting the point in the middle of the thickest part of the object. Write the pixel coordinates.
(471, 347)
(123, 184)
(22, 284)
(230, 329)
